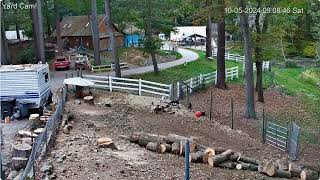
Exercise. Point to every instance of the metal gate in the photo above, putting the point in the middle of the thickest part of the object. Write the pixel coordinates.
(293, 147)
(276, 135)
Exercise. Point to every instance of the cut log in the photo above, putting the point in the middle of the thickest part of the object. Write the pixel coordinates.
(104, 140)
(270, 169)
(307, 174)
(201, 147)
(196, 157)
(249, 160)
(145, 138)
(109, 144)
(295, 169)
(235, 156)
(89, 100)
(207, 154)
(21, 150)
(27, 140)
(39, 130)
(45, 119)
(168, 147)
(162, 148)
(172, 138)
(217, 159)
(67, 129)
(227, 164)
(283, 174)
(18, 163)
(175, 148)
(246, 166)
(219, 150)
(154, 147)
(134, 137)
(64, 120)
(192, 145)
(25, 133)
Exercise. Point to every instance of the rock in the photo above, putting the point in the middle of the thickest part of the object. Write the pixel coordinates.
(77, 102)
(12, 175)
(46, 168)
(59, 160)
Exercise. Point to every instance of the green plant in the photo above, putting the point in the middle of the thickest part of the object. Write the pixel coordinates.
(292, 50)
(26, 56)
(291, 64)
(310, 50)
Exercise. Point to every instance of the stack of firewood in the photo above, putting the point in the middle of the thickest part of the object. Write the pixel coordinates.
(219, 157)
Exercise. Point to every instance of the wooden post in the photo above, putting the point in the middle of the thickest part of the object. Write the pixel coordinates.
(110, 83)
(231, 113)
(171, 92)
(210, 106)
(187, 160)
(77, 72)
(216, 78)
(139, 90)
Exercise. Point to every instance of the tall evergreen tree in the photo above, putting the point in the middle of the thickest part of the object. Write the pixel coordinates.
(58, 27)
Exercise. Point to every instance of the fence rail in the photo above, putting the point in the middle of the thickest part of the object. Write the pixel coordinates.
(138, 86)
(230, 56)
(44, 138)
(231, 74)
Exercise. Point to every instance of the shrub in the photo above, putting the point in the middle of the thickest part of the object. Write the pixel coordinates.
(310, 50)
(292, 50)
(291, 64)
(26, 56)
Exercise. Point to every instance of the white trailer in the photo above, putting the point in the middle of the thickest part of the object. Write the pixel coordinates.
(28, 83)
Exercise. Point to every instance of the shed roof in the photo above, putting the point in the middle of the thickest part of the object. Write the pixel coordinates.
(81, 26)
(131, 29)
(22, 67)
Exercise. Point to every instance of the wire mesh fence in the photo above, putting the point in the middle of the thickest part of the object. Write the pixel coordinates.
(42, 141)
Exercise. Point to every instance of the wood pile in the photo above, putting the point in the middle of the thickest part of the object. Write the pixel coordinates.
(20, 154)
(220, 157)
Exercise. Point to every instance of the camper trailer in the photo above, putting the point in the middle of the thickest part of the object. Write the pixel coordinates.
(23, 87)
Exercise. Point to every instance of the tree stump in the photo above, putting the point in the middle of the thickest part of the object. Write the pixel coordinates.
(18, 163)
(27, 140)
(35, 121)
(25, 133)
(308, 174)
(89, 100)
(21, 150)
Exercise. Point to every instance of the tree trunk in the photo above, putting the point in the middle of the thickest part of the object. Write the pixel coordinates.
(17, 30)
(58, 28)
(95, 33)
(33, 15)
(154, 62)
(40, 30)
(257, 50)
(221, 67)
(249, 85)
(113, 44)
(208, 39)
(5, 56)
(47, 18)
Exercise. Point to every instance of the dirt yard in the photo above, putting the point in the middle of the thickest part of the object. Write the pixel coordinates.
(76, 155)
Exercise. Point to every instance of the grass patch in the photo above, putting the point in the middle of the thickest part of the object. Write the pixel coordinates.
(184, 72)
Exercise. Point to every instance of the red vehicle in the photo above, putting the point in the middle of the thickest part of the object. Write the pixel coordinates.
(61, 62)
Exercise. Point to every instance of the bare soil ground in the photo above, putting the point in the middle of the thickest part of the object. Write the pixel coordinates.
(128, 113)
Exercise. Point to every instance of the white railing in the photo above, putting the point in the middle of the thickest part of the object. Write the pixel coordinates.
(231, 74)
(138, 86)
(230, 56)
(239, 58)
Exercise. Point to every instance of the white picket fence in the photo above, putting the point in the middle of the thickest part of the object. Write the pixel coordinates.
(231, 74)
(265, 66)
(137, 86)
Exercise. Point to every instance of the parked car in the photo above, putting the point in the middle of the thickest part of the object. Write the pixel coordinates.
(61, 62)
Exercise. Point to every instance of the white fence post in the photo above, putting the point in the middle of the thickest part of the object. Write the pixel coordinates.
(110, 83)
(201, 79)
(139, 90)
(170, 92)
(237, 72)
